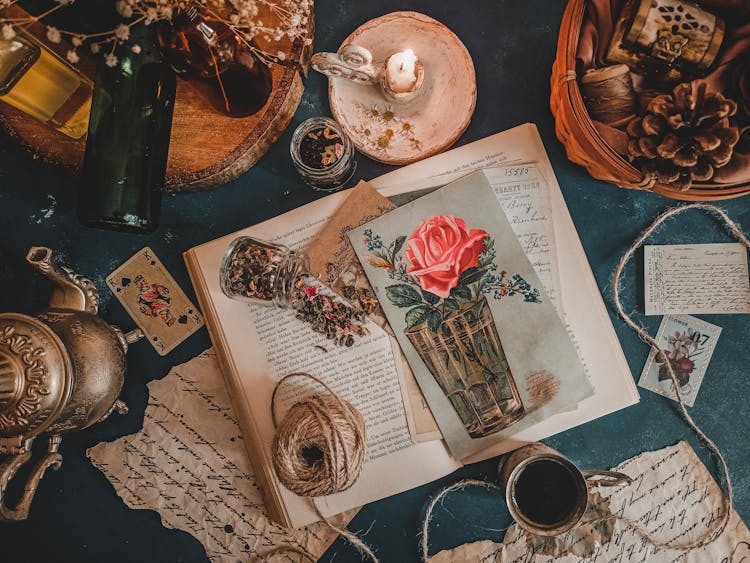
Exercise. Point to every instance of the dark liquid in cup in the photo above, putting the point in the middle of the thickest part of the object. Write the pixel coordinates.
(546, 492)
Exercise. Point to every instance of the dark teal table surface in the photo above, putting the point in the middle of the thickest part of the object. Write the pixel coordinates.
(77, 517)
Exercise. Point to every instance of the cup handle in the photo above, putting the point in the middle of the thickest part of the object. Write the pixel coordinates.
(612, 478)
(352, 62)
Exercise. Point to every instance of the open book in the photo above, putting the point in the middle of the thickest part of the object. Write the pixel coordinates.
(257, 346)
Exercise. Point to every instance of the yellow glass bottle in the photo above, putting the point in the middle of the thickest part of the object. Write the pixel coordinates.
(36, 81)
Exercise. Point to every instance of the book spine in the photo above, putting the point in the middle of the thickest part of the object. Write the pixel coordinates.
(259, 459)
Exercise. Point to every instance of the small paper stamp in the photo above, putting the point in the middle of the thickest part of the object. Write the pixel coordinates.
(154, 301)
(688, 344)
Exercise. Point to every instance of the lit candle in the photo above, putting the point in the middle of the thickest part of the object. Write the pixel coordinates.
(401, 72)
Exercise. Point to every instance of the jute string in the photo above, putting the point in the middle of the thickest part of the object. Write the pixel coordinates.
(612, 100)
(727, 500)
(318, 449)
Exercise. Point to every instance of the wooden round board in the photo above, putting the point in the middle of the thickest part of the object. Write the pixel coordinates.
(401, 134)
(207, 148)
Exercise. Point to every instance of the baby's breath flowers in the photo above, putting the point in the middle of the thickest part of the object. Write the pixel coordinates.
(265, 22)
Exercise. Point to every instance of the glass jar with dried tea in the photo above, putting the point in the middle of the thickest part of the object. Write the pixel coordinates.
(261, 272)
(323, 154)
(267, 273)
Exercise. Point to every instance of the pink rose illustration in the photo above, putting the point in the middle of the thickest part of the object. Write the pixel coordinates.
(440, 250)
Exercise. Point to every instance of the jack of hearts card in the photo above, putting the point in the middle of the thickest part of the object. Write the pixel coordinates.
(154, 301)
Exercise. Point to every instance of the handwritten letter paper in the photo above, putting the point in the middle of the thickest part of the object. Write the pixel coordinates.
(523, 194)
(700, 278)
(189, 464)
(672, 496)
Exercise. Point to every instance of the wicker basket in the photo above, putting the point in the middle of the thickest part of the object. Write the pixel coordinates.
(583, 143)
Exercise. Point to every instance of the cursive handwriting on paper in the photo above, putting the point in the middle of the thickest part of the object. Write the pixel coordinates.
(189, 464)
(523, 194)
(701, 278)
(673, 498)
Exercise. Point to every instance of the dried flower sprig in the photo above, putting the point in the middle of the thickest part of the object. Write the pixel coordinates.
(244, 17)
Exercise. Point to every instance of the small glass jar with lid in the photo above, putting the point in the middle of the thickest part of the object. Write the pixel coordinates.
(323, 154)
(262, 272)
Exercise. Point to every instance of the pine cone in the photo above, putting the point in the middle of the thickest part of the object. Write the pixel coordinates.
(683, 136)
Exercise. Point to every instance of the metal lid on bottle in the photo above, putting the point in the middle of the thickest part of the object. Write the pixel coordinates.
(35, 376)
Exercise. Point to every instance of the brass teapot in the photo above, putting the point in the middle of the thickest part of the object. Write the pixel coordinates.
(60, 371)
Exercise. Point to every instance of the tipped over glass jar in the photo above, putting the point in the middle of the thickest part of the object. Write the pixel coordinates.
(266, 273)
(260, 272)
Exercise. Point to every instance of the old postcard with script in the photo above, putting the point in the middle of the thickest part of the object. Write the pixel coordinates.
(473, 318)
(696, 279)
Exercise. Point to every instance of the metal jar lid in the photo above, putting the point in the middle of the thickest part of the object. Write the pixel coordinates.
(35, 376)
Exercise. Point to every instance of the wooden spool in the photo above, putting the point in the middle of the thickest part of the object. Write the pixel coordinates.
(207, 148)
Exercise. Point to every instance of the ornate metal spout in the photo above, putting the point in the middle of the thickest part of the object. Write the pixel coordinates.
(72, 291)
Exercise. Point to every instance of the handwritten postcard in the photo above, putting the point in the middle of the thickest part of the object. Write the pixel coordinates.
(688, 345)
(473, 318)
(523, 193)
(696, 279)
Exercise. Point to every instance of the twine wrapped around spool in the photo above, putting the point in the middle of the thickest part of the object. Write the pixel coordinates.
(319, 447)
(609, 94)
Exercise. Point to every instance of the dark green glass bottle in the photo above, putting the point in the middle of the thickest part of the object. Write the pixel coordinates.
(128, 139)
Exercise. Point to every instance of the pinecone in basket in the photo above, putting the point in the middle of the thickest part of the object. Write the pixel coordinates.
(741, 86)
(683, 136)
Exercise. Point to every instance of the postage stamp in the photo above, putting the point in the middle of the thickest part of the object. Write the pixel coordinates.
(688, 344)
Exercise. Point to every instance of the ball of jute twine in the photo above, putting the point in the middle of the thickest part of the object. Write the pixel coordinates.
(717, 530)
(318, 449)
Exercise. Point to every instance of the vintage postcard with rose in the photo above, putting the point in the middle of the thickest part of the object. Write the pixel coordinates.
(473, 319)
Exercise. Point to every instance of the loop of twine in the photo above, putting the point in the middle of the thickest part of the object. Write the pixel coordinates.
(318, 449)
(710, 535)
(610, 101)
(425, 544)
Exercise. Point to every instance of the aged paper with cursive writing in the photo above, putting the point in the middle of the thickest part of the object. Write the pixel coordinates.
(696, 278)
(672, 496)
(523, 193)
(189, 464)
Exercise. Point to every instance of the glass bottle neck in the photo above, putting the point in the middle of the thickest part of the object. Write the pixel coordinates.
(288, 277)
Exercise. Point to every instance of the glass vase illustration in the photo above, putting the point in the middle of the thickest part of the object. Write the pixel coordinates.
(466, 358)
(443, 275)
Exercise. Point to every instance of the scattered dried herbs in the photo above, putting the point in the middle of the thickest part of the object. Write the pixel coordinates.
(335, 320)
(260, 271)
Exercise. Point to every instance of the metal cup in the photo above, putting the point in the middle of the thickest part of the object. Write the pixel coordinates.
(546, 493)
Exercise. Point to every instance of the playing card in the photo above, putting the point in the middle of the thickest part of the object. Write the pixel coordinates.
(688, 344)
(155, 301)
